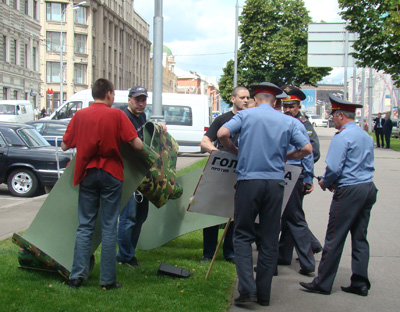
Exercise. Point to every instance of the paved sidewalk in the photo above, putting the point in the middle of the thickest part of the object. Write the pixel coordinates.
(383, 234)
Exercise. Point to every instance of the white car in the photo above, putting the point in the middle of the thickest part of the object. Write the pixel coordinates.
(317, 121)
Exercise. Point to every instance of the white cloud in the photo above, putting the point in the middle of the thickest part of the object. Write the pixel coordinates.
(201, 32)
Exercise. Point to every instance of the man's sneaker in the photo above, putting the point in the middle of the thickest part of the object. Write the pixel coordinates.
(133, 262)
(111, 286)
(205, 260)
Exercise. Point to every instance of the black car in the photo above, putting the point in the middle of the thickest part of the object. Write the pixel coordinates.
(27, 161)
(51, 130)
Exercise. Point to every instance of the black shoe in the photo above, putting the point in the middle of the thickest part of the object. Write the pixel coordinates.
(231, 260)
(75, 283)
(133, 262)
(306, 272)
(111, 286)
(361, 291)
(317, 250)
(314, 289)
(205, 260)
(263, 303)
(245, 299)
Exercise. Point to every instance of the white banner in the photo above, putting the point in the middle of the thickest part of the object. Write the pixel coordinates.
(215, 192)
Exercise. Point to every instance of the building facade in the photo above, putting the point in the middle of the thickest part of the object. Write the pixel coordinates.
(19, 50)
(100, 39)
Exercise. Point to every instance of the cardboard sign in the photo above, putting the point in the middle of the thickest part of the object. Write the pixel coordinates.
(215, 192)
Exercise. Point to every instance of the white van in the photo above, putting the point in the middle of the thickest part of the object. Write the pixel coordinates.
(16, 111)
(187, 116)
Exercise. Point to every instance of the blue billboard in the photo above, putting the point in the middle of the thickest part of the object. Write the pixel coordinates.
(309, 103)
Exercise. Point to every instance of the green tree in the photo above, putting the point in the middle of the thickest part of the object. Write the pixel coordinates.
(273, 46)
(378, 24)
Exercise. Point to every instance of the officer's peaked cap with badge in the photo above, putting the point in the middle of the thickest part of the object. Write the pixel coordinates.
(137, 91)
(340, 104)
(268, 87)
(295, 95)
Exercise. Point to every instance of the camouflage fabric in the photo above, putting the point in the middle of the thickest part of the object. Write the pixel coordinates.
(160, 184)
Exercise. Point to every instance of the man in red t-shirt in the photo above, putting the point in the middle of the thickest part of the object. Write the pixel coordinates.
(96, 132)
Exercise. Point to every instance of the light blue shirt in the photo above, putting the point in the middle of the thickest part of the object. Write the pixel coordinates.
(265, 138)
(307, 162)
(350, 158)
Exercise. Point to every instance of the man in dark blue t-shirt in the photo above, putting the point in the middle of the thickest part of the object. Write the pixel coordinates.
(210, 142)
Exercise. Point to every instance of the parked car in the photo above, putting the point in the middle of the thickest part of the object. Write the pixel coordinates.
(27, 161)
(317, 121)
(51, 130)
(396, 128)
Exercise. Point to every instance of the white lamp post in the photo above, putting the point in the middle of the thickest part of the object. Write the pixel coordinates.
(75, 7)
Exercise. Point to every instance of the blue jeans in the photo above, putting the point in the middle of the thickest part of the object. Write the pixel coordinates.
(130, 224)
(98, 185)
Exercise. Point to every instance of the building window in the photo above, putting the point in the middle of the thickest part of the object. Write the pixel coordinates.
(35, 10)
(53, 72)
(54, 11)
(53, 41)
(80, 44)
(15, 52)
(15, 95)
(34, 59)
(5, 48)
(16, 2)
(80, 15)
(26, 56)
(5, 93)
(80, 73)
(27, 7)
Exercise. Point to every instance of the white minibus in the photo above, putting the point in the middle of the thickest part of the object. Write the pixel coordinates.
(187, 116)
(19, 111)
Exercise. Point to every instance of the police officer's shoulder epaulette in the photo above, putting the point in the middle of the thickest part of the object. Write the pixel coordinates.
(303, 119)
(340, 130)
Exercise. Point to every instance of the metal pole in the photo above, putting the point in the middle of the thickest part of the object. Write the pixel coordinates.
(236, 44)
(61, 58)
(346, 59)
(370, 100)
(156, 115)
(363, 98)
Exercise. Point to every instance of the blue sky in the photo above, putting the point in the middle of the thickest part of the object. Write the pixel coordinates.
(200, 33)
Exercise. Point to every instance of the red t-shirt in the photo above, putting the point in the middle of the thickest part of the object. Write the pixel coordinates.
(97, 132)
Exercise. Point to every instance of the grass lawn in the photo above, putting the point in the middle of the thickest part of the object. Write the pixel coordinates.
(394, 143)
(143, 290)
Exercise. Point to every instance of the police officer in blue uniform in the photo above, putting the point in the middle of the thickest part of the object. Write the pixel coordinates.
(294, 228)
(264, 140)
(348, 174)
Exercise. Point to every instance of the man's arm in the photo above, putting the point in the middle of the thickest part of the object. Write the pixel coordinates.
(136, 144)
(64, 146)
(301, 153)
(207, 144)
(224, 136)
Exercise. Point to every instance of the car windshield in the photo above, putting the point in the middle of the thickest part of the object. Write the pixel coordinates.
(7, 109)
(32, 138)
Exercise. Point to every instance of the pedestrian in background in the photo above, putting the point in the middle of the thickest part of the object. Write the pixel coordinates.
(378, 128)
(387, 130)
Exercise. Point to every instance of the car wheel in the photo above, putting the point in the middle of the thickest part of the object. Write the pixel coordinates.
(22, 182)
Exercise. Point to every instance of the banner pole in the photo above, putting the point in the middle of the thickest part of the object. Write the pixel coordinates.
(218, 247)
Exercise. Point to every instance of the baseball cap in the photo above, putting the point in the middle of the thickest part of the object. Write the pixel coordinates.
(136, 91)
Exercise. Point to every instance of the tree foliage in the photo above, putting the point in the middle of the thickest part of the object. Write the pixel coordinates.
(378, 24)
(273, 46)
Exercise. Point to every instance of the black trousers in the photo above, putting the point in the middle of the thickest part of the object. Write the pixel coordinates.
(349, 212)
(387, 139)
(252, 198)
(379, 137)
